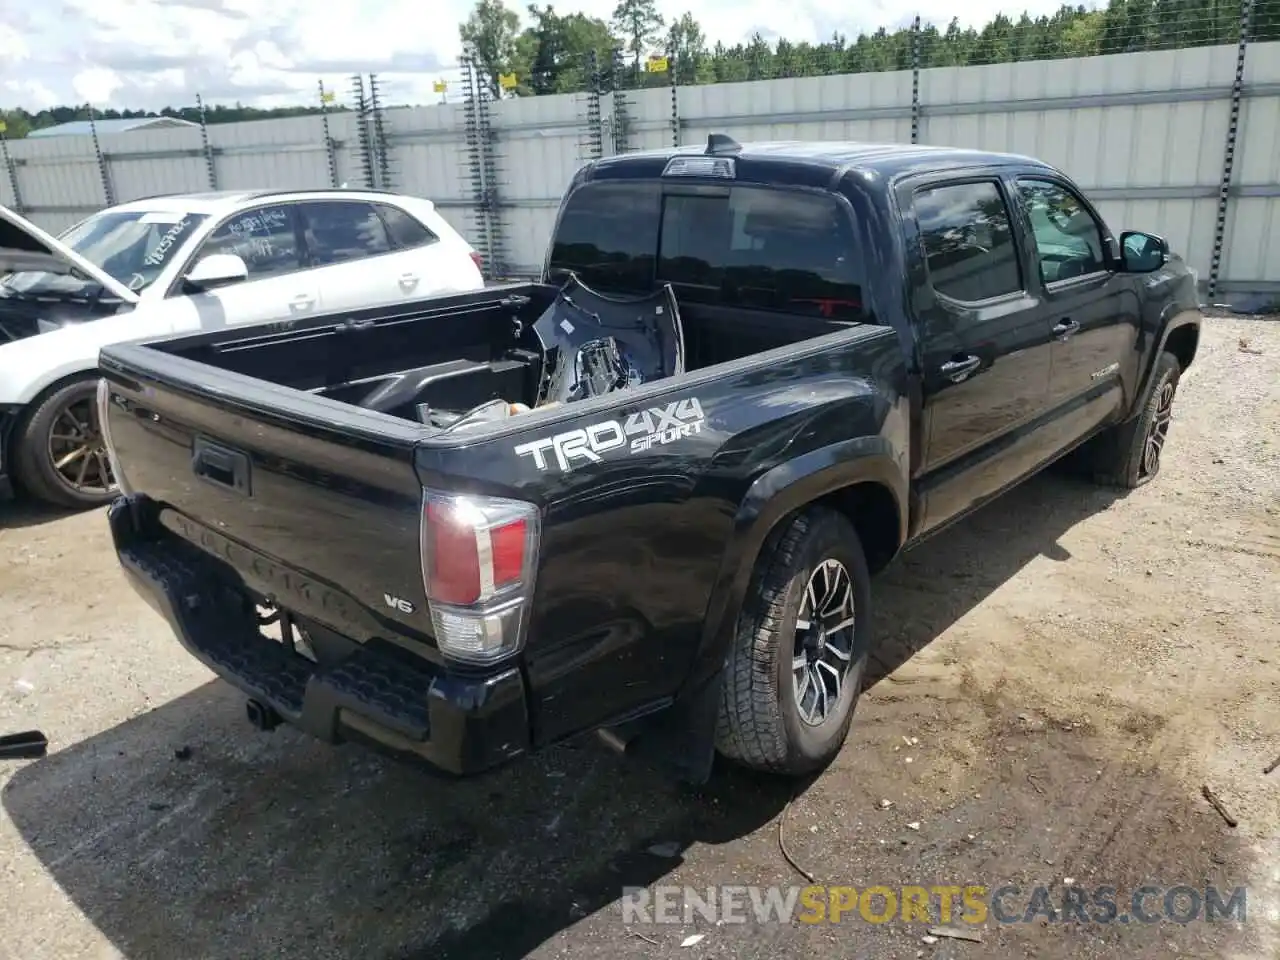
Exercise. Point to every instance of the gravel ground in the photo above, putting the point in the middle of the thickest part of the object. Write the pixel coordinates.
(1058, 676)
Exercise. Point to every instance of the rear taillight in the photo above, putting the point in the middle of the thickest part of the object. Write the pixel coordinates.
(104, 425)
(479, 555)
(478, 261)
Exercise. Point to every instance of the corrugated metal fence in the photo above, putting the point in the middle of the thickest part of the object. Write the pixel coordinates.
(1183, 142)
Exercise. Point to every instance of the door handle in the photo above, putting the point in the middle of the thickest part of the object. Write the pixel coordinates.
(408, 279)
(957, 370)
(1065, 328)
(303, 301)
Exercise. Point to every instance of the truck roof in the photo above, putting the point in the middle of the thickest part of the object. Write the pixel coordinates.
(884, 159)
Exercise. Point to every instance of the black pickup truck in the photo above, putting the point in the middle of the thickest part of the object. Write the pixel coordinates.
(872, 342)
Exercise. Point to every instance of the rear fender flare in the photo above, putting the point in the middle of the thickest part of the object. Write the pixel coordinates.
(770, 498)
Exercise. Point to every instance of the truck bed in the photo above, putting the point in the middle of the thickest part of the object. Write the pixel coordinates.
(451, 354)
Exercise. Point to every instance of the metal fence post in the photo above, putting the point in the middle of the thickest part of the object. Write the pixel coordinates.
(593, 144)
(1229, 156)
(367, 160)
(381, 146)
(108, 194)
(621, 106)
(915, 80)
(675, 97)
(12, 169)
(329, 146)
(208, 147)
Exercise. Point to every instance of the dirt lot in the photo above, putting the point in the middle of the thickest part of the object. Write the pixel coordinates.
(1072, 666)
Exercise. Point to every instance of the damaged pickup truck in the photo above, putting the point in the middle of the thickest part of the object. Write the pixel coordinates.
(645, 496)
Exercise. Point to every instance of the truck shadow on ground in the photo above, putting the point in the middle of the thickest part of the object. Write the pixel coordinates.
(181, 832)
(20, 513)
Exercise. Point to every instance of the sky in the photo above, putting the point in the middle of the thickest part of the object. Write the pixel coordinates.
(147, 54)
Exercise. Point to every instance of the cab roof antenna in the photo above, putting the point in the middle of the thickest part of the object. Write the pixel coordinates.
(721, 144)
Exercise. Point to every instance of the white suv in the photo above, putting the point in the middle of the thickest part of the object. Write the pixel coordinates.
(181, 264)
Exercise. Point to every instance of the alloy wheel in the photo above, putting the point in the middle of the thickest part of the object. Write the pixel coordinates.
(1158, 432)
(823, 650)
(77, 450)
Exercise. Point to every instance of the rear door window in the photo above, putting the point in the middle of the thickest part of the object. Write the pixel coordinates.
(750, 246)
(968, 241)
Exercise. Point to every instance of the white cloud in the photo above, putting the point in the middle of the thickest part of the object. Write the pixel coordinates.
(13, 49)
(96, 85)
(153, 53)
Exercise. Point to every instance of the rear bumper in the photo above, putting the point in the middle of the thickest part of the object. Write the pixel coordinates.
(381, 693)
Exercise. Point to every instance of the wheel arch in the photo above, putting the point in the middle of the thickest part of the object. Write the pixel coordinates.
(1181, 338)
(864, 479)
(1183, 341)
(45, 392)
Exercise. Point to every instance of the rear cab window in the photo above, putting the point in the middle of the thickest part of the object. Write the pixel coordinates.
(752, 246)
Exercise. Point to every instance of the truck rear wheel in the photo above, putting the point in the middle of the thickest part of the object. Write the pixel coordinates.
(800, 648)
(60, 455)
(1128, 455)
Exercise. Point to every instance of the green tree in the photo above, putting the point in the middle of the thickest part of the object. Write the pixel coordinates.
(553, 55)
(490, 34)
(687, 48)
(640, 24)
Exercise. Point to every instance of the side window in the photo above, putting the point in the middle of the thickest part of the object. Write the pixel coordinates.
(968, 243)
(1068, 238)
(264, 238)
(338, 231)
(405, 230)
(767, 249)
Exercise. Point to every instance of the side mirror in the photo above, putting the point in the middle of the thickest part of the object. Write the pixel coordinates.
(216, 270)
(1142, 252)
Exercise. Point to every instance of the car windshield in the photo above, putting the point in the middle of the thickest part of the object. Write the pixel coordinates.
(133, 247)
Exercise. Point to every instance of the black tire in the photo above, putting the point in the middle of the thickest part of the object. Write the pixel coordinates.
(760, 723)
(38, 449)
(1129, 454)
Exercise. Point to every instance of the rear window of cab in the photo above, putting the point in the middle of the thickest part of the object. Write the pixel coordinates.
(744, 245)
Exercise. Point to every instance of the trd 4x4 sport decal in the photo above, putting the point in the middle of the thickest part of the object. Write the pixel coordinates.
(656, 426)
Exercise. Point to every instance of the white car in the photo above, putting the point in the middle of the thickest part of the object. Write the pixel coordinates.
(181, 264)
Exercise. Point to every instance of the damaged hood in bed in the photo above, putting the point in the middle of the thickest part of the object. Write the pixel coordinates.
(595, 344)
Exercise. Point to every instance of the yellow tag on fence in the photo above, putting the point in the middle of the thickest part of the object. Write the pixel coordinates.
(656, 65)
(439, 86)
(328, 97)
(507, 81)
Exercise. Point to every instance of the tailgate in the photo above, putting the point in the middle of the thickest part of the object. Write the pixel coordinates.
(312, 502)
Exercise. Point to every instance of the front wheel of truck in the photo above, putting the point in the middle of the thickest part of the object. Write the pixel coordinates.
(800, 647)
(1129, 455)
